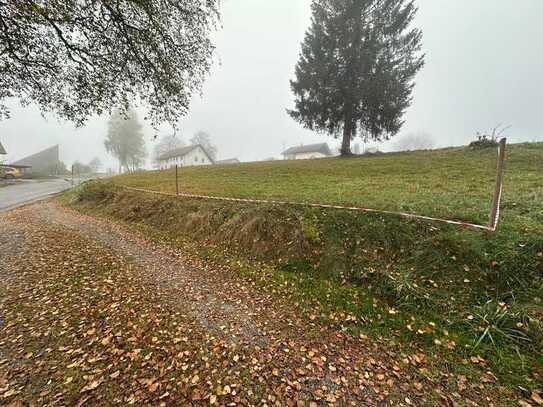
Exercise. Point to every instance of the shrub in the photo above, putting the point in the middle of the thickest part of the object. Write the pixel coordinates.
(484, 141)
(94, 191)
(489, 139)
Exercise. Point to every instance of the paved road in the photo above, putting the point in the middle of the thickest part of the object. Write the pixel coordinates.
(28, 191)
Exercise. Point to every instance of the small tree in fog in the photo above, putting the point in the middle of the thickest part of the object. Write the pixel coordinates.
(204, 139)
(165, 145)
(95, 164)
(125, 140)
(415, 141)
(80, 168)
(356, 69)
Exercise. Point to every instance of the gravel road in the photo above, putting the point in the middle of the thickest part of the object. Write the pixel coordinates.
(94, 313)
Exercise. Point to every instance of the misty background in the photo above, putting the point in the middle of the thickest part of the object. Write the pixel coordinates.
(483, 67)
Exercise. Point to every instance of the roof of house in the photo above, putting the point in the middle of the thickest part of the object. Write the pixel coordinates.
(310, 148)
(2, 149)
(44, 157)
(183, 151)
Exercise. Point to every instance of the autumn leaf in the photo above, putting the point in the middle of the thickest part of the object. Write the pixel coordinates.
(106, 341)
(536, 397)
(153, 387)
(91, 386)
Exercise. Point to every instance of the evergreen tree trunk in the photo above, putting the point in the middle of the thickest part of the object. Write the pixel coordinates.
(348, 128)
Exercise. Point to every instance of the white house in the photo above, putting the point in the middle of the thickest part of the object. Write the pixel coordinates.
(307, 152)
(185, 157)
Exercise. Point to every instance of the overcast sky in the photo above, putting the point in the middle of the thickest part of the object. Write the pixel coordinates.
(484, 65)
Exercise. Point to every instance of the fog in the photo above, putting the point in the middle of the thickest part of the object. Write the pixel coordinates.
(483, 67)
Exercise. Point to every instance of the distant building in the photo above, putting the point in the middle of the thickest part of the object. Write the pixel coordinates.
(307, 152)
(228, 161)
(46, 162)
(372, 150)
(2, 150)
(185, 157)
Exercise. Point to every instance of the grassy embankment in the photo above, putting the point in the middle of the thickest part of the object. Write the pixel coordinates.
(456, 293)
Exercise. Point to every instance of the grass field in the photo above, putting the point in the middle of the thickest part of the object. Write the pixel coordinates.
(451, 183)
(458, 293)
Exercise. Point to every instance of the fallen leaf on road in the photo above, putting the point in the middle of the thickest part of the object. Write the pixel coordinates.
(536, 397)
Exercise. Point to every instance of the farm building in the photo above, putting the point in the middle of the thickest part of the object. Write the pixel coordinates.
(185, 157)
(307, 152)
(2, 149)
(46, 162)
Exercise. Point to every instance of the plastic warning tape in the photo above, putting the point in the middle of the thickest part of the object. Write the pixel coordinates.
(321, 206)
(496, 220)
(501, 152)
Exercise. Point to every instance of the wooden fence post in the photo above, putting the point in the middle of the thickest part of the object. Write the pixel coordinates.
(176, 181)
(495, 214)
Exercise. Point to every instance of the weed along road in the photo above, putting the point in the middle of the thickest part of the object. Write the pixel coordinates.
(22, 192)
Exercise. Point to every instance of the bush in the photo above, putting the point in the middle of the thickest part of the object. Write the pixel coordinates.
(95, 191)
(484, 142)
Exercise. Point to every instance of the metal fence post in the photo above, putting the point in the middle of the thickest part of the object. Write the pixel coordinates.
(495, 214)
(176, 180)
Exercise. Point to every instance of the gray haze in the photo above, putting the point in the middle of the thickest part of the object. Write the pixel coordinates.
(484, 66)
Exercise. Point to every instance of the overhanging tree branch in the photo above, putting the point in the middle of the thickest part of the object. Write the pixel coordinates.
(82, 57)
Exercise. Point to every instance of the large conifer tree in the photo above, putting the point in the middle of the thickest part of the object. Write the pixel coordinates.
(356, 68)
